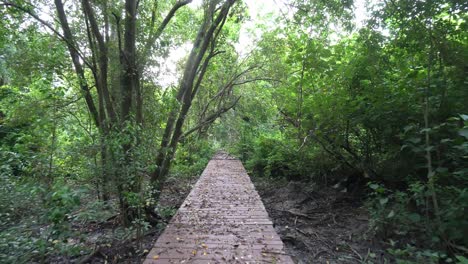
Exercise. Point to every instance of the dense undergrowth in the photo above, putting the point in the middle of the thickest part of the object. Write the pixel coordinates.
(402, 213)
(68, 222)
(381, 115)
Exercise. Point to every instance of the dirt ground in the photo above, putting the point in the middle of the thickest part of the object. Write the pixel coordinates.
(319, 225)
(132, 250)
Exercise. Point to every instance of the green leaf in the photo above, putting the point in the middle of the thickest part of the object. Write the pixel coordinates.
(408, 128)
(464, 117)
(429, 148)
(414, 217)
(391, 214)
(462, 260)
(414, 140)
(463, 132)
(383, 201)
(442, 170)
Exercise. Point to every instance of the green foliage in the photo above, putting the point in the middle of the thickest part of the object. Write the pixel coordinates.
(167, 212)
(93, 212)
(26, 234)
(192, 157)
(352, 111)
(61, 201)
(319, 102)
(273, 157)
(399, 214)
(20, 246)
(13, 190)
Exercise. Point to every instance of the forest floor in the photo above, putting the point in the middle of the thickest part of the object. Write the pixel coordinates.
(319, 225)
(131, 250)
(316, 225)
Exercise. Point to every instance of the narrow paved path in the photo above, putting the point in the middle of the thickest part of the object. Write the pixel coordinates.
(222, 220)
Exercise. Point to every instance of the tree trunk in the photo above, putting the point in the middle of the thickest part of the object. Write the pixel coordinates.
(128, 85)
(76, 61)
(206, 36)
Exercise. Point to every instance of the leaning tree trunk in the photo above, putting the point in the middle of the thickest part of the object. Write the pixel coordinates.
(193, 74)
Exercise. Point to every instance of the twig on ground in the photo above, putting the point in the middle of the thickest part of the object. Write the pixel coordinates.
(355, 252)
(87, 258)
(294, 213)
(302, 232)
(318, 253)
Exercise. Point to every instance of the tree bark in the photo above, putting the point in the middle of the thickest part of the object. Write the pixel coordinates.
(103, 60)
(129, 77)
(187, 91)
(76, 61)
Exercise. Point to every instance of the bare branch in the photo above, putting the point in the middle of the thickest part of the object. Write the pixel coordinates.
(94, 26)
(74, 54)
(256, 80)
(202, 70)
(210, 119)
(226, 88)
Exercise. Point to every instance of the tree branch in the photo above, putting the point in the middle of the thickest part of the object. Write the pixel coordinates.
(103, 58)
(256, 80)
(47, 25)
(156, 34)
(210, 119)
(119, 36)
(202, 71)
(74, 54)
(230, 85)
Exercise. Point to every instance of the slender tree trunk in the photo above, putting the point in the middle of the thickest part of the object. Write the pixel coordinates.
(128, 85)
(103, 61)
(430, 172)
(300, 100)
(76, 61)
(206, 36)
(53, 143)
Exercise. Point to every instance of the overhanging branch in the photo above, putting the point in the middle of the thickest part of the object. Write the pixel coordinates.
(210, 119)
(47, 25)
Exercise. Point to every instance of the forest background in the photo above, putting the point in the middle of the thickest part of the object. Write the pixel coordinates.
(91, 126)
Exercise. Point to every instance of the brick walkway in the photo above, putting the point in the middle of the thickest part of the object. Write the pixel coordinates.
(222, 220)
